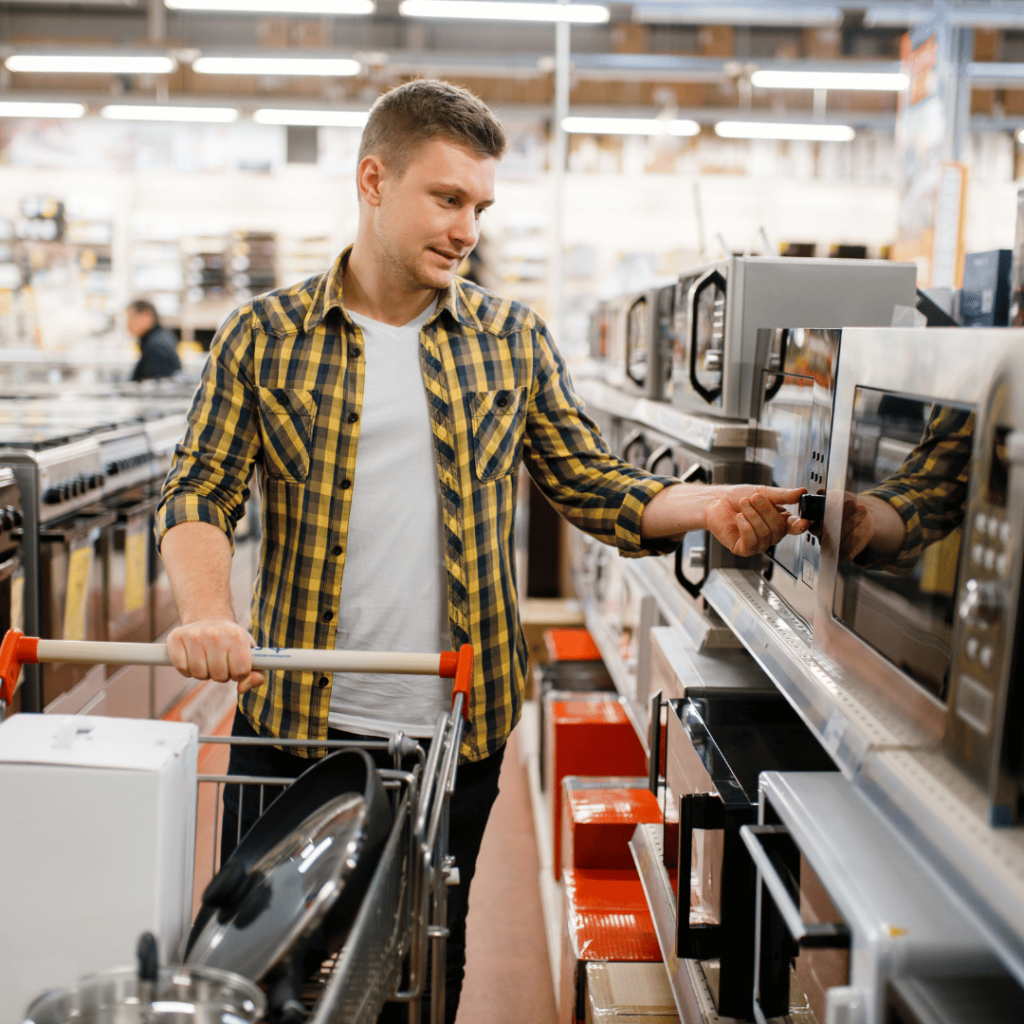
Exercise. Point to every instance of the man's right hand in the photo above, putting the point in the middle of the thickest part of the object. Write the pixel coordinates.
(868, 521)
(216, 648)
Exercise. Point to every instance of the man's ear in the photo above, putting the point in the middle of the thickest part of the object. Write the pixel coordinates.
(369, 178)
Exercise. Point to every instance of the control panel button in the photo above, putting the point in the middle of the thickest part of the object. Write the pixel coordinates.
(980, 524)
(1003, 564)
(971, 648)
(993, 526)
(990, 559)
(978, 554)
(981, 605)
(1004, 532)
(986, 657)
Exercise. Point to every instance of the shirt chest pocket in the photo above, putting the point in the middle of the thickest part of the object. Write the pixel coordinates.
(499, 419)
(287, 416)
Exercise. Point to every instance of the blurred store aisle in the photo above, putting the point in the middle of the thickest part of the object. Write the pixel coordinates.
(508, 973)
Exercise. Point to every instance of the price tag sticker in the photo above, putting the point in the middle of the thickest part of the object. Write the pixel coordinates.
(135, 567)
(76, 602)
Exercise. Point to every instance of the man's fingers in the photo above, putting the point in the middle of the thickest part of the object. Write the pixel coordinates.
(251, 681)
(781, 495)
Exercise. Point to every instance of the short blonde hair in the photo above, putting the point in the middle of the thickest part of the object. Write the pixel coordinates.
(405, 117)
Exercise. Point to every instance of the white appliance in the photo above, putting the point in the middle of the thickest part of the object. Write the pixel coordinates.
(98, 817)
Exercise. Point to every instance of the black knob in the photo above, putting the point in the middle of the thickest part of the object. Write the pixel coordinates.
(6, 520)
(19, 520)
(812, 507)
(52, 496)
(112, 468)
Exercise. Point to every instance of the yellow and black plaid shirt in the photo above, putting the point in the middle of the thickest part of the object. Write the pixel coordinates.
(282, 392)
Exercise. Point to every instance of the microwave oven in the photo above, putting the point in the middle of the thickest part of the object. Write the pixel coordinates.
(645, 353)
(720, 307)
(843, 902)
(930, 421)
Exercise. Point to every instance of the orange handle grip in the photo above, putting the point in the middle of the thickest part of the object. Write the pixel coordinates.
(15, 651)
(463, 678)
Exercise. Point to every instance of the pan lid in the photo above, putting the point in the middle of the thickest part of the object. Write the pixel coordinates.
(262, 913)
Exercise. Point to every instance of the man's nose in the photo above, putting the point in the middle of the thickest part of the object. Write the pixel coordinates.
(466, 229)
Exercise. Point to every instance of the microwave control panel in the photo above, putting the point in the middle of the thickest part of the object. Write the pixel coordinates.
(985, 720)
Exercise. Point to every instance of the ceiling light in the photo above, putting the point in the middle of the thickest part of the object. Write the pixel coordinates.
(861, 80)
(627, 126)
(771, 130)
(215, 115)
(500, 10)
(11, 108)
(276, 6)
(99, 64)
(613, 125)
(318, 118)
(682, 127)
(323, 66)
(692, 12)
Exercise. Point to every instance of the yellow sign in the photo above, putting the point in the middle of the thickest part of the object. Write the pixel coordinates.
(135, 569)
(76, 602)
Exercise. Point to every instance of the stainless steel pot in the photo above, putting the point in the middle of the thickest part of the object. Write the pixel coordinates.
(150, 995)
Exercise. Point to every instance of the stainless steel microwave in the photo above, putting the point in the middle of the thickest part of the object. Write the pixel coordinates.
(646, 355)
(720, 307)
(932, 422)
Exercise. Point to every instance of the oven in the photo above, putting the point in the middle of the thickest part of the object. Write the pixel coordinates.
(59, 475)
(717, 745)
(844, 905)
(12, 572)
(719, 308)
(791, 447)
(929, 422)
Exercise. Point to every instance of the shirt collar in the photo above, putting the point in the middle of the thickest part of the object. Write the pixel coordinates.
(328, 295)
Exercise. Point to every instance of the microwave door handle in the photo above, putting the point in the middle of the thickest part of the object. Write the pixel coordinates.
(710, 395)
(656, 456)
(699, 475)
(637, 379)
(702, 941)
(818, 935)
(631, 439)
(773, 389)
(654, 743)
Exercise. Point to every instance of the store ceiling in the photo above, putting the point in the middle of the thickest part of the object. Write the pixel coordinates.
(650, 55)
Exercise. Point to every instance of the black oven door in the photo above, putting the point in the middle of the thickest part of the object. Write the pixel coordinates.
(716, 749)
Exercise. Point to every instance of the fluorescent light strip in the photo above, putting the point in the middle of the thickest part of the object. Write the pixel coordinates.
(212, 115)
(627, 126)
(668, 13)
(11, 108)
(499, 10)
(347, 7)
(859, 80)
(317, 118)
(322, 66)
(770, 130)
(112, 64)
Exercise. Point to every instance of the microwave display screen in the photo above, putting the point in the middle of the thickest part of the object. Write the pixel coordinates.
(906, 488)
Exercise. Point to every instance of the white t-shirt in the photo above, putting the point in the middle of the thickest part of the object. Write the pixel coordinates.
(394, 592)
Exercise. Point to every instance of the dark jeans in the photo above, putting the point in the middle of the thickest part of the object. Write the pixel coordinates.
(476, 788)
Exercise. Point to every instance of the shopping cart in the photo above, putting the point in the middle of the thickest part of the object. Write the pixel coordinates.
(402, 917)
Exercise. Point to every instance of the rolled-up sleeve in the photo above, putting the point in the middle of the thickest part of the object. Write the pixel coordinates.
(573, 467)
(207, 482)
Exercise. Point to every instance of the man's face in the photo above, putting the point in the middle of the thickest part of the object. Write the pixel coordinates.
(428, 220)
(139, 321)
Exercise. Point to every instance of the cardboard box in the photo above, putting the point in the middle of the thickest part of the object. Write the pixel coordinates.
(98, 817)
(586, 737)
(606, 920)
(599, 819)
(629, 994)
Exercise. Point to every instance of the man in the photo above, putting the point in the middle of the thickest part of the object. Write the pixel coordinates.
(158, 346)
(444, 389)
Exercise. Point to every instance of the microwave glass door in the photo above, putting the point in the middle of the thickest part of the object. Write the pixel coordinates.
(916, 455)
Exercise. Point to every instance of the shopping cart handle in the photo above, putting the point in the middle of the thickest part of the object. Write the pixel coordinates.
(463, 678)
(18, 649)
(15, 651)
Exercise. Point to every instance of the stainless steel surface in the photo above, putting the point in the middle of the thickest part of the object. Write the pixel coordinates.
(848, 718)
(900, 923)
(763, 292)
(680, 668)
